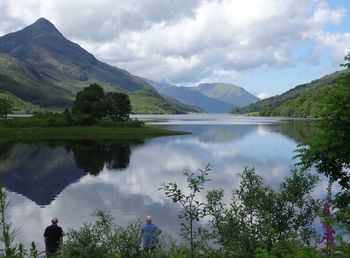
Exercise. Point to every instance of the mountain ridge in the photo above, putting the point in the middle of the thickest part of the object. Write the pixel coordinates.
(204, 97)
(57, 68)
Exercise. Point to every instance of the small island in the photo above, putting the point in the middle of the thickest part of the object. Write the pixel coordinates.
(94, 115)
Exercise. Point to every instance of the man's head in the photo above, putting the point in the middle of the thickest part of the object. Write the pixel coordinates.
(148, 219)
(54, 220)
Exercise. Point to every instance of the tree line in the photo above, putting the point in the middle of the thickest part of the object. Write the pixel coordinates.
(92, 106)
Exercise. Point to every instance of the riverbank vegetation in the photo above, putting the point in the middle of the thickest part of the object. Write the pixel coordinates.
(94, 115)
(258, 221)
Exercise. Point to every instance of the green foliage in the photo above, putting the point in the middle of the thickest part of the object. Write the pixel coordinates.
(8, 235)
(300, 208)
(290, 248)
(216, 209)
(103, 238)
(5, 108)
(302, 101)
(192, 209)
(19, 106)
(118, 106)
(65, 119)
(328, 150)
(259, 222)
(92, 105)
(93, 240)
(90, 102)
(48, 119)
(346, 58)
(261, 217)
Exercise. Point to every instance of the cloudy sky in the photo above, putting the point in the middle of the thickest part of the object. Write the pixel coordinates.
(265, 46)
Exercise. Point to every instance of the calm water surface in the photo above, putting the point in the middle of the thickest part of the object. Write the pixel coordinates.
(70, 179)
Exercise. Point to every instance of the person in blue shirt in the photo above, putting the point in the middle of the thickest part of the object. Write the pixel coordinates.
(149, 233)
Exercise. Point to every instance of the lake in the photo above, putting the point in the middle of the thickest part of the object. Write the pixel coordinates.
(71, 179)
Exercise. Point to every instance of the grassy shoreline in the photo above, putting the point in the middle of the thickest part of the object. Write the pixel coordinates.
(84, 132)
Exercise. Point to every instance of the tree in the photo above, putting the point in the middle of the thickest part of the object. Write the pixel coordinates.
(118, 106)
(5, 108)
(192, 209)
(258, 216)
(92, 105)
(329, 149)
(90, 102)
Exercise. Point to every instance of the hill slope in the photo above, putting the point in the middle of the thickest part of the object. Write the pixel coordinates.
(19, 106)
(190, 97)
(301, 101)
(214, 98)
(235, 95)
(45, 49)
(148, 101)
(38, 64)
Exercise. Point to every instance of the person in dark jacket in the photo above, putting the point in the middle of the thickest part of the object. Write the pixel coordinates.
(53, 237)
(149, 233)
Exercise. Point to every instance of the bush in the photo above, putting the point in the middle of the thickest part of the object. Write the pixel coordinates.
(103, 238)
(43, 120)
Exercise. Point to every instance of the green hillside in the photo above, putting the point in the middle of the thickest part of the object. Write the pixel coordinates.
(19, 106)
(148, 101)
(301, 101)
(235, 95)
(39, 65)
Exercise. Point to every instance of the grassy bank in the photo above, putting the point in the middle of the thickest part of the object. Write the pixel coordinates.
(83, 132)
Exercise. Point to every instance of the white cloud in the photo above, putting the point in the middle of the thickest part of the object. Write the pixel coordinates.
(339, 43)
(263, 95)
(187, 41)
(226, 74)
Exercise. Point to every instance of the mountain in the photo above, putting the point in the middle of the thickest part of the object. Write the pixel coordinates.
(235, 95)
(213, 98)
(38, 64)
(301, 101)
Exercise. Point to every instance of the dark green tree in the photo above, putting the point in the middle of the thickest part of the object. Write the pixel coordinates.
(329, 149)
(90, 102)
(92, 105)
(118, 106)
(5, 108)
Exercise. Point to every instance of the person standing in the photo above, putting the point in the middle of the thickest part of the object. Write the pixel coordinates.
(53, 237)
(149, 233)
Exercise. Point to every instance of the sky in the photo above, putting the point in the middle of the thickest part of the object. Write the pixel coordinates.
(264, 46)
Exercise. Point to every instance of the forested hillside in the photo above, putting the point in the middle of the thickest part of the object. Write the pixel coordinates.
(19, 106)
(301, 101)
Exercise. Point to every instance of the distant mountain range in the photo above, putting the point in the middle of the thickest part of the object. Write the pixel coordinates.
(302, 101)
(39, 65)
(210, 97)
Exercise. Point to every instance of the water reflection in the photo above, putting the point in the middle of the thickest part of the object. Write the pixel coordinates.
(92, 156)
(74, 178)
(42, 171)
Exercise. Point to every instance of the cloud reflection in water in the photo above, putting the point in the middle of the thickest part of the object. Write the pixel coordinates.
(131, 192)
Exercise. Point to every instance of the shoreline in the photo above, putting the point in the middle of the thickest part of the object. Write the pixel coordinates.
(84, 133)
